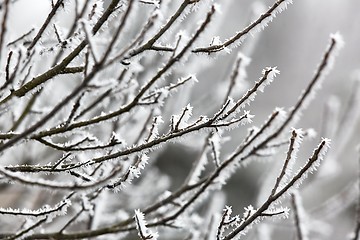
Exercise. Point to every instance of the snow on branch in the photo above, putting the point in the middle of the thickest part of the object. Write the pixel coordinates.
(269, 74)
(48, 184)
(325, 66)
(299, 216)
(143, 231)
(312, 164)
(258, 25)
(295, 141)
(263, 211)
(59, 209)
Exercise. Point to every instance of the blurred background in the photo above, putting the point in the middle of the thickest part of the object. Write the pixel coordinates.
(294, 42)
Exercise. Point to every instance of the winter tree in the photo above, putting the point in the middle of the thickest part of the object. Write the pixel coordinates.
(91, 95)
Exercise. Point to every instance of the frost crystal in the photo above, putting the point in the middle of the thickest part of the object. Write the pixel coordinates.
(248, 117)
(143, 231)
(180, 121)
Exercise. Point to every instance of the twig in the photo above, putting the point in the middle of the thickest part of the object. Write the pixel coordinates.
(3, 24)
(299, 221)
(60, 105)
(57, 69)
(21, 37)
(256, 26)
(45, 24)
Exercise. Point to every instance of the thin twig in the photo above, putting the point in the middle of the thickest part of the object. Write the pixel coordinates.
(45, 24)
(4, 24)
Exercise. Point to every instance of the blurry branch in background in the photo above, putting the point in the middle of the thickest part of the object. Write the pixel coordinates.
(301, 232)
(85, 109)
(5, 13)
